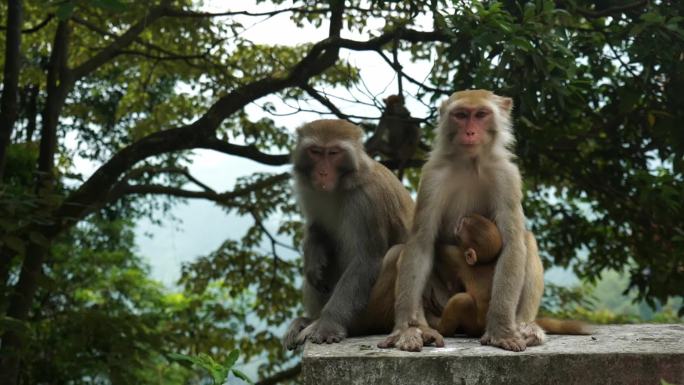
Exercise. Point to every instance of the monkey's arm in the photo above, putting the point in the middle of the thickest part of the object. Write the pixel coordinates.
(417, 260)
(411, 330)
(316, 259)
(351, 294)
(509, 273)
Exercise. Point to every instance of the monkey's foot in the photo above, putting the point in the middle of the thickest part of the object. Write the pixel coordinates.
(533, 334)
(290, 340)
(322, 331)
(514, 342)
(413, 339)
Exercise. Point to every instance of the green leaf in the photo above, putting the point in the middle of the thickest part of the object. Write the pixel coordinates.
(232, 358)
(239, 374)
(65, 10)
(110, 5)
(182, 357)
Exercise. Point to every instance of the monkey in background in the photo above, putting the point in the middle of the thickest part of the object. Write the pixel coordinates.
(397, 134)
(354, 209)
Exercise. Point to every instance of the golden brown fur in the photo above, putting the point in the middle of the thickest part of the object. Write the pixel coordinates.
(471, 170)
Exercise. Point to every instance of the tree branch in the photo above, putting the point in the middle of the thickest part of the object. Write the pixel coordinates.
(279, 377)
(107, 53)
(324, 101)
(36, 28)
(401, 73)
(183, 13)
(123, 188)
(249, 152)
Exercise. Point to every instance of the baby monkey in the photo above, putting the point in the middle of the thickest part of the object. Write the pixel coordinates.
(479, 239)
(472, 261)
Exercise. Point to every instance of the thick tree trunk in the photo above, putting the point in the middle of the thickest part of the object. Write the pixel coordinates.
(10, 86)
(58, 86)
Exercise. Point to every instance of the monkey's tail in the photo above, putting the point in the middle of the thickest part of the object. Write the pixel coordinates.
(557, 326)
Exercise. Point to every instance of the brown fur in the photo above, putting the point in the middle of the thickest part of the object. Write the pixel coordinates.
(466, 312)
(471, 171)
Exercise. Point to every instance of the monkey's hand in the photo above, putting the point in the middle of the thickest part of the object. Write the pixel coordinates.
(510, 339)
(290, 341)
(322, 331)
(412, 339)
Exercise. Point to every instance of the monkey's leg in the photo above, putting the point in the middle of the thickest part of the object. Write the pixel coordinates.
(530, 298)
(460, 313)
(379, 315)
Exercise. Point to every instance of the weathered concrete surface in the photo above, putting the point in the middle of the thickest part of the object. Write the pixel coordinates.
(624, 354)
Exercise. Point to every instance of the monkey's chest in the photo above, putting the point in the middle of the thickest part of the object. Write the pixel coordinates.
(464, 201)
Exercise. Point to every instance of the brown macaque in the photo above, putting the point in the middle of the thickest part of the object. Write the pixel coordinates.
(479, 239)
(397, 135)
(471, 170)
(473, 262)
(354, 209)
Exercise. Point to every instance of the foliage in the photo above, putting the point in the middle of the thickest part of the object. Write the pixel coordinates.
(130, 87)
(604, 303)
(219, 371)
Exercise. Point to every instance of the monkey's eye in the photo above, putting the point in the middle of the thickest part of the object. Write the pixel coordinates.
(460, 115)
(334, 151)
(316, 151)
(481, 114)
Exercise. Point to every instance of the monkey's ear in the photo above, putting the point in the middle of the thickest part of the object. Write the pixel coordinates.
(443, 107)
(505, 103)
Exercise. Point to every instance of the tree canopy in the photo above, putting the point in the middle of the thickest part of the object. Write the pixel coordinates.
(133, 87)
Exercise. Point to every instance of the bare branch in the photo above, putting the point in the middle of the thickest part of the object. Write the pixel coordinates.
(249, 152)
(285, 375)
(184, 13)
(107, 53)
(35, 28)
(324, 101)
(138, 172)
(401, 73)
(226, 198)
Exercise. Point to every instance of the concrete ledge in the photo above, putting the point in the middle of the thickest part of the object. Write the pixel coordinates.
(620, 354)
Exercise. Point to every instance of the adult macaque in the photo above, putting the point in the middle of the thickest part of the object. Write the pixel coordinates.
(397, 134)
(471, 170)
(354, 209)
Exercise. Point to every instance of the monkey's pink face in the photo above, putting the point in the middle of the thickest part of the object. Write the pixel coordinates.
(327, 163)
(471, 124)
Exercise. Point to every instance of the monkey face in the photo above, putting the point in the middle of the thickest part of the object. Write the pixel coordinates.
(471, 125)
(472, 120)
(327, 166)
